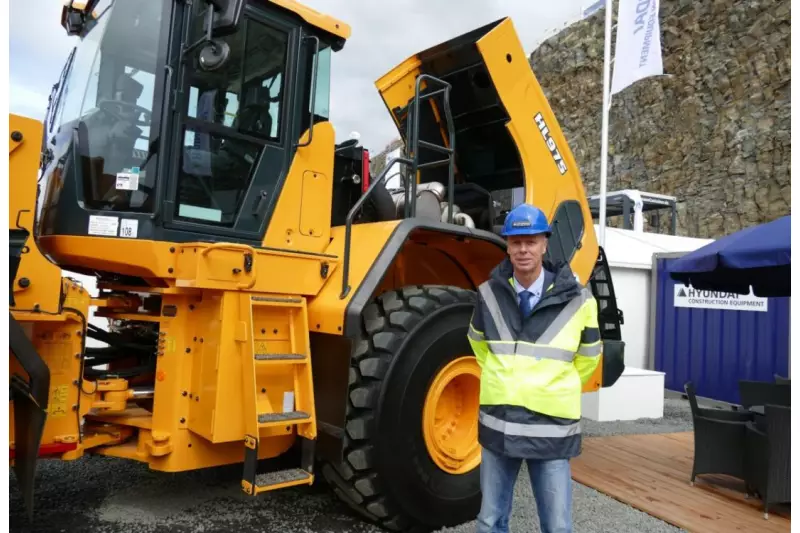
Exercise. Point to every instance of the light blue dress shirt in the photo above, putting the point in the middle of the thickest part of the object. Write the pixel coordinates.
(535, 289)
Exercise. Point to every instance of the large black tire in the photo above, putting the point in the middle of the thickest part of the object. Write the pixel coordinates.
(387, 474)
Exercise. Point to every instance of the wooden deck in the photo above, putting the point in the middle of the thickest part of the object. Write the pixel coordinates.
(652, 474)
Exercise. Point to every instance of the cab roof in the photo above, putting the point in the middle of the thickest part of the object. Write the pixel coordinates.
(315, 18)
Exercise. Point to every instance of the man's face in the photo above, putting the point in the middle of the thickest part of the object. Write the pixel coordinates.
(526, 251)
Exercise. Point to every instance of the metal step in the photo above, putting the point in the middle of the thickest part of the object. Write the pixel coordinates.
(282, 418)
(280, 357)
(282, 479)
(267, 300)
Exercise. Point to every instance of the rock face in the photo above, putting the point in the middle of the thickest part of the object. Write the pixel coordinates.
(714, 132)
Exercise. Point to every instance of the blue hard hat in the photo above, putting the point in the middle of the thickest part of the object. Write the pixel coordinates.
(525, 219)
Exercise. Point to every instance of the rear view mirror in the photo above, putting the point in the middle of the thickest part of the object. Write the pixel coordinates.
(221, 18)
(226, 16)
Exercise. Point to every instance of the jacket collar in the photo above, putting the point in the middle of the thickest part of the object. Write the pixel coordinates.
(563, 287)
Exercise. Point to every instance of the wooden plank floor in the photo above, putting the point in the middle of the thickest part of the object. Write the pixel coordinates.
(652, 474)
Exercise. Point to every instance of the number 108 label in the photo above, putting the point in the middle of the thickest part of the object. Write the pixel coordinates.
(129, 228)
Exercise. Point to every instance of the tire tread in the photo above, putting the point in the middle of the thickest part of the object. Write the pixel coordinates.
(385, 323)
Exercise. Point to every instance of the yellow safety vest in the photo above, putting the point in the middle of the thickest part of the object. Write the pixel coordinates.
(533, 368)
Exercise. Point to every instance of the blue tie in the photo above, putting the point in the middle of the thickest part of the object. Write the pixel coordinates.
(525, 303)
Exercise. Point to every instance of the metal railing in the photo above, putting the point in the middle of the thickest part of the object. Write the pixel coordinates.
(410, 185)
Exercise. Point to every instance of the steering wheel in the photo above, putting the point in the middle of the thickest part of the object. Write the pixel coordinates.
(116, 107)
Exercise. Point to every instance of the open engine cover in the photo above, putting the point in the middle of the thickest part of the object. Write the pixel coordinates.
(506, 133)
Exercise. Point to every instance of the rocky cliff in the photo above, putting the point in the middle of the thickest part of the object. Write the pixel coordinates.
(714, 132)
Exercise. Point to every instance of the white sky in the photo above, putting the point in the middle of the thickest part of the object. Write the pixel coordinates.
(384, 33)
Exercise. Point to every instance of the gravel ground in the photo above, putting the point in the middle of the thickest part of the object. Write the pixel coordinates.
(107, 495)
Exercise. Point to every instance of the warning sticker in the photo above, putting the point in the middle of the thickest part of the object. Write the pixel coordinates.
(101, 225)
(288, 401)
(693, 298)
(128, 179)
(58, 402)
(129, 228)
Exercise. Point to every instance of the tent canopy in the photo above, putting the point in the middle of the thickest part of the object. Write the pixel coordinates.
(757, 257)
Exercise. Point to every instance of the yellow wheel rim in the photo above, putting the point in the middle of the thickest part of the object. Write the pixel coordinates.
(450, 416)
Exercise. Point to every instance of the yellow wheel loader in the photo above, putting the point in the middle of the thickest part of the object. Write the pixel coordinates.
(266, 295)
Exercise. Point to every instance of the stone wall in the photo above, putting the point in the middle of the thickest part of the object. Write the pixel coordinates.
(714, 132)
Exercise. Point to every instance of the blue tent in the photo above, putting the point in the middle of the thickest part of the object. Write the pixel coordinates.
(758, 256)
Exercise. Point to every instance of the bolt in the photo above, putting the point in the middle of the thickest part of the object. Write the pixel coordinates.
(197, 398)
(183, 420)
(275, 331)
(185, 393)
(170, 270)
(263, 390)
(24, 283)
(201, 339)
(191, 307)
(190, 395)
(188, 350)
(16, 136)
(172, 249)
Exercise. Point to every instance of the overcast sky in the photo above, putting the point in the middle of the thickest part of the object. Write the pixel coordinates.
(384, 33)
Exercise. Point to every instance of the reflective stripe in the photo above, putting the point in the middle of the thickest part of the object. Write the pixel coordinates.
(545, 352)
(527, 349)
(475, 335)
(529, 430)
(494, 310)
(590, 351)
(563, 318)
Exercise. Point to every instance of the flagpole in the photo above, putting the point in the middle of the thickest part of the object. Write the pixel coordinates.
(604, 131)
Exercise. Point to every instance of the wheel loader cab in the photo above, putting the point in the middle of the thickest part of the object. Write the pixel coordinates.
(164, 131)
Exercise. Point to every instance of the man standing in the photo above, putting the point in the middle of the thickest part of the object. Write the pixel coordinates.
(535, 335)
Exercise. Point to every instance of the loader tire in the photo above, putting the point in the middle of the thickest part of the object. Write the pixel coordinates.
(387, 473)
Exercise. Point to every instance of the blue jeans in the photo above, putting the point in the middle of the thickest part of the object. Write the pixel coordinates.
(552, 487)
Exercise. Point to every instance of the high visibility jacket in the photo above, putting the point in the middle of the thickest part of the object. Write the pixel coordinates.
(533, 368)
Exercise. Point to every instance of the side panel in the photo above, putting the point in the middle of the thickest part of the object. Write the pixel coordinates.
(38, 281)
(301, 220)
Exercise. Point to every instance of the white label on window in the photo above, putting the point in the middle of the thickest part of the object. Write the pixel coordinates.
(129, 228)
(106, 226)
(288, 401)
(128, 180)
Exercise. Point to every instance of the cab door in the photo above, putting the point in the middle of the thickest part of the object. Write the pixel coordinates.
(236, 127)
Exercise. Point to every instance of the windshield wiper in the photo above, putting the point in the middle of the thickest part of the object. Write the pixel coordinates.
(53, 103)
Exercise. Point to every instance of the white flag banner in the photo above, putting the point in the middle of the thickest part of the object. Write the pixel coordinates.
(637, 53)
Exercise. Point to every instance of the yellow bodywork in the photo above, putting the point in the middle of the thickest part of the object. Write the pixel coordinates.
(235, 322)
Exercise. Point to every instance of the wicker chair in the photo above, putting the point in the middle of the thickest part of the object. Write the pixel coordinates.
(719, 437)
(768, 461)
(754, 393)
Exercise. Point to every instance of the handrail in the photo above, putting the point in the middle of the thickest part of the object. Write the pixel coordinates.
(313, 103)
(351, 215)
(410, 186)
(413, 137)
